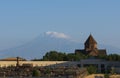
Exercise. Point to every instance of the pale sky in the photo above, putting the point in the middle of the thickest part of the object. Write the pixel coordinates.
(23, 20)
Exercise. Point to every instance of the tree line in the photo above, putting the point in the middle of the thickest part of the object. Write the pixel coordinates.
(61, 56)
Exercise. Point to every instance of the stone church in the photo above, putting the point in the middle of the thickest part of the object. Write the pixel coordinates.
(90, 48)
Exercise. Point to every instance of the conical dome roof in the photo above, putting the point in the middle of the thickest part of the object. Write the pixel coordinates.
(90, 40)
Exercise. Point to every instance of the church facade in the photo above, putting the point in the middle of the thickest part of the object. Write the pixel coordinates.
(90, 48)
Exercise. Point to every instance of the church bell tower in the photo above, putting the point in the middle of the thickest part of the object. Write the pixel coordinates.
(90, 44)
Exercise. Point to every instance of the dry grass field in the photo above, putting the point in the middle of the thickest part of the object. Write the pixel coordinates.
(101, 76)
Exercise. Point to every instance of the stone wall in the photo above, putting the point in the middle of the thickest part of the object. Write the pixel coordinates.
(38, 63)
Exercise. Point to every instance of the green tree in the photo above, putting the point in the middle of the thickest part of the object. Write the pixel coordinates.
(71, 57)
(102, 56)
(113, 57)
(36, 73)
(106, 75)
(60, 56)
(92, 69)
(48, 71)
(54, 56)
(112, 70)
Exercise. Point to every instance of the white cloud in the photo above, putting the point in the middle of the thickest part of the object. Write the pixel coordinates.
(57, 35)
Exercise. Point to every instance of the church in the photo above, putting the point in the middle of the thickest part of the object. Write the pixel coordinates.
(90, 48)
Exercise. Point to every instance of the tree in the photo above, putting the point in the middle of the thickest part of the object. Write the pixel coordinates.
(112, 70)
(113, 57)
(54, 56)
(92, 69)
(60, 56)
(70, 57)
(36, 73)
(106, 75)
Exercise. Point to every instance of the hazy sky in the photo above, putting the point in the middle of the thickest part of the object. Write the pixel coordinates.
(23, 20)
